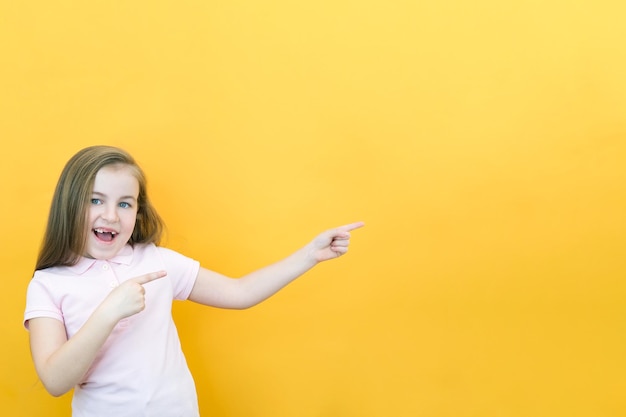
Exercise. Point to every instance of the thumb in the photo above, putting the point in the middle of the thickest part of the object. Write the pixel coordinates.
(144, 279)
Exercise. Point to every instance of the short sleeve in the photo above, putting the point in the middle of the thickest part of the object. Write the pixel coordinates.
(181, 270)
(40, 301)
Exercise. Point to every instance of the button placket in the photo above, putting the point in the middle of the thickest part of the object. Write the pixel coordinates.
(111, 276)
(113, 283)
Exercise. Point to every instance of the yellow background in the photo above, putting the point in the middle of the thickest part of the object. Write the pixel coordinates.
(483, 142)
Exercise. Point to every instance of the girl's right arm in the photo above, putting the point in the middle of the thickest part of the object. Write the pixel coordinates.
(60, 362)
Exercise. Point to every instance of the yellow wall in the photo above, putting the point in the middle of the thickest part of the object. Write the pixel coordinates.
(483, 142)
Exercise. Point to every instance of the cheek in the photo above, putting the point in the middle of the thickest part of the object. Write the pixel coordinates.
(91, 216)
(129, 219)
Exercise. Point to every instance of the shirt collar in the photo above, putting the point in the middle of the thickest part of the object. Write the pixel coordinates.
(123, 257)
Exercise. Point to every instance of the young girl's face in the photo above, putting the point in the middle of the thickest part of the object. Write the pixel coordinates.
(112, 211)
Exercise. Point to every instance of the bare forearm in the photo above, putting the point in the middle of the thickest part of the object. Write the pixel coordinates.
(62, 363)
(217, 290)
(239, 293)
(68, 364)
(265, 282)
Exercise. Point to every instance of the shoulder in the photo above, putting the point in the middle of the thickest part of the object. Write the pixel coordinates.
(182, 270)
(168, 257)
(172, 255)
(51, 278)
(141, 249)
(53, 271)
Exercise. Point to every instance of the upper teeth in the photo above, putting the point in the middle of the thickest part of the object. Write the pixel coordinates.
(104, 231)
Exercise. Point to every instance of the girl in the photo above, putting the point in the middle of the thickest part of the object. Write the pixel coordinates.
(99, 305)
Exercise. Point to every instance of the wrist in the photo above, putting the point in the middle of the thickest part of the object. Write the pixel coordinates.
(309, 255)
(106, 316)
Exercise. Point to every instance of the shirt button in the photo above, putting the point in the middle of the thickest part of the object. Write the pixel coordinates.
(113, 284)
(105, 267)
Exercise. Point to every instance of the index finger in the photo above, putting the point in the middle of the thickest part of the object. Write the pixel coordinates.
(351, 226)
(144, 279)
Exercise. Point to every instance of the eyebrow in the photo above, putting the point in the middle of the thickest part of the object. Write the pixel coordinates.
(124, 197)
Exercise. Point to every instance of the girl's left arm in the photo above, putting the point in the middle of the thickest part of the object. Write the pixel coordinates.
(217, 290)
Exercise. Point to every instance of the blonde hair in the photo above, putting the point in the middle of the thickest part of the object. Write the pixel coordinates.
(66, 232)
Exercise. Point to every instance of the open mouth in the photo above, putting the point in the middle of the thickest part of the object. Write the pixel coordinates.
(104, 235)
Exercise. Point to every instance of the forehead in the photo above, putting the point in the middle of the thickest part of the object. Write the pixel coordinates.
(118, 179)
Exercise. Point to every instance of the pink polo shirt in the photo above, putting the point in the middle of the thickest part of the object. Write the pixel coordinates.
(140, 370)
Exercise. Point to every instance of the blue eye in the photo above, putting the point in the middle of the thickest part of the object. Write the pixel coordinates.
(124, 204)
(96, 201)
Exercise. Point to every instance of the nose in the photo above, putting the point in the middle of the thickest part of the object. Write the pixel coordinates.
(109, 213)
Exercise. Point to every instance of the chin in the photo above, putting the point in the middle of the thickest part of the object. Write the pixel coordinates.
(103, 254)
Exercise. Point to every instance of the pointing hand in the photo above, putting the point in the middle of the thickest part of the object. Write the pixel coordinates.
(129, 297)
(334, 242)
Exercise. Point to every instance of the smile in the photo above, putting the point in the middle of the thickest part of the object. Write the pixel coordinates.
(105, 235)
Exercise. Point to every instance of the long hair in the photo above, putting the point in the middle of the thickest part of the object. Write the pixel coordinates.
(66, 233)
